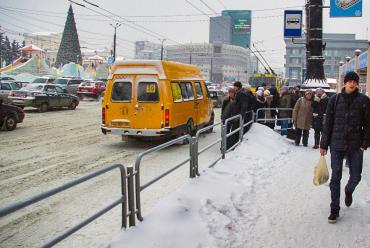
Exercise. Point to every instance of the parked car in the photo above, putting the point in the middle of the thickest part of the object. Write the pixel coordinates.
(90, 89)
(43, 97)
(6, 78)
(10, 116)
(43, 80)
(5, 88)
(69, 84)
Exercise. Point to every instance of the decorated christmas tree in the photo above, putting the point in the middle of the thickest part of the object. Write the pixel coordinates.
(69, 49)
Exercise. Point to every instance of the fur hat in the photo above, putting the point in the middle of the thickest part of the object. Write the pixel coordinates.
(259, 93)
(266, 93)
(351, 75)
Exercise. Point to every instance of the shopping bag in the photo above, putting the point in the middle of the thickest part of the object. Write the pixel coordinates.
(321, 173)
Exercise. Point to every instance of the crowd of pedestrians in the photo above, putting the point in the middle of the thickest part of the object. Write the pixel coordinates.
(341, 122)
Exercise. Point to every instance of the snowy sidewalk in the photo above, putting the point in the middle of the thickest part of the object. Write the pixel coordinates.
(261, 195)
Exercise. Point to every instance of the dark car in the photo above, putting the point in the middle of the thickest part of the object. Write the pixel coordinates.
(69, 84)
(90, 89)
(217, 97)
(43, 97)
(5, 88)
(43, 80)
(10, 116)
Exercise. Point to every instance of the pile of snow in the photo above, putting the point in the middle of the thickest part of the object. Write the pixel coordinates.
(261, 195)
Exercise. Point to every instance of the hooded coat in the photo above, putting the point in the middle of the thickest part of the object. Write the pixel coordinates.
(302, 114)
(319, 105)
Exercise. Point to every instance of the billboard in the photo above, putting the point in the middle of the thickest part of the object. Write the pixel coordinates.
(241, 21)
(292, 23)
(345, 8)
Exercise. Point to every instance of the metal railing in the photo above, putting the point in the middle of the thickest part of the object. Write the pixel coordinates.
(39, 197)
(136, 173)
(196, 146)
(265, 119)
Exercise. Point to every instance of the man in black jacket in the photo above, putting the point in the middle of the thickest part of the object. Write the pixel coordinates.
(347, 132)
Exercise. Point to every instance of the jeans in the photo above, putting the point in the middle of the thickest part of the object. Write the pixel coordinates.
(318, 133)
(355, 159)
(299, 134)
(284, 127)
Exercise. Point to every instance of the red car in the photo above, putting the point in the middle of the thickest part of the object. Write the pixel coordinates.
(90, 89)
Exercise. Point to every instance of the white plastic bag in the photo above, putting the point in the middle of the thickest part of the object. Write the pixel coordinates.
(321, 173)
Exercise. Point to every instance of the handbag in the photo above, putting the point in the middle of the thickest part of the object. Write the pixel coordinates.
(291, 134)
(321, 172)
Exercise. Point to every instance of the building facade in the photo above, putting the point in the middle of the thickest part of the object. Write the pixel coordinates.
(217, 62)
(148, 50)
(233, 28)
(337, 48)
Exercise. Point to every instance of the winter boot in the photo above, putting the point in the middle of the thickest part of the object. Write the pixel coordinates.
(348, 200)
(334, 214)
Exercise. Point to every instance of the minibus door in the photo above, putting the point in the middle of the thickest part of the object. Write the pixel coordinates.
(148, 103)
(199, 103)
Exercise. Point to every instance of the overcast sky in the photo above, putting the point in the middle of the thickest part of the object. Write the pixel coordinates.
(177, 21)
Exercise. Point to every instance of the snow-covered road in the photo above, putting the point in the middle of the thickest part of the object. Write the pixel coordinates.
(51, 148)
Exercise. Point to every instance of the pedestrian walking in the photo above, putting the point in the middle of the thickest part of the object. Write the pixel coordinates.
(269, 114)
(302, 117)
(296, 94)
(284, 102)
(319, 105)
(260, 103)
(229, 110)
(347, 132)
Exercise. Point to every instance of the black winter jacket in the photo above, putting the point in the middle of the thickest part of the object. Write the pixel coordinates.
(318, 111)
(347, 124)
(241, 102)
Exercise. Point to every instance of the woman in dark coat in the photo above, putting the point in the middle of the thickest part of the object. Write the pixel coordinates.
(318, 112)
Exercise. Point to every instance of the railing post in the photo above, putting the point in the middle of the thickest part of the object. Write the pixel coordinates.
(223, 140)
(131, 195)
(193, 156)
(241, 131)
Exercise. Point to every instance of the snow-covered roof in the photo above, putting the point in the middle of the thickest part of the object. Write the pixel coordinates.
(315, 83)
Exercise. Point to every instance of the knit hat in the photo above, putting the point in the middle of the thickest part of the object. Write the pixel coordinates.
(351, 75)
(259, 93)
(319, 90)
(238, 84)
(266, 93)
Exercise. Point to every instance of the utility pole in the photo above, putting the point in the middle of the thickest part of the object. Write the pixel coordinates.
(114, 39)
(314, 44)
(1, 50)
(162, 40)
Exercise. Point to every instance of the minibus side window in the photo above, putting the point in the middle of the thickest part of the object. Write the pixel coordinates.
(147, 92)
(183, 92)
(198, 89)
(189, 90)
(121, 92)
(176, 92)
